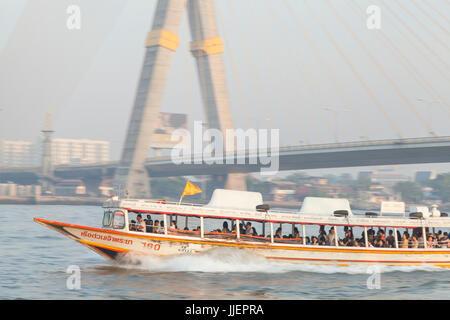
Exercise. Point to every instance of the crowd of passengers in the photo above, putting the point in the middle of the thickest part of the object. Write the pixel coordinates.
(376, 240)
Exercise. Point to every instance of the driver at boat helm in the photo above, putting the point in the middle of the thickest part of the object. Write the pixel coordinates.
(140, 224)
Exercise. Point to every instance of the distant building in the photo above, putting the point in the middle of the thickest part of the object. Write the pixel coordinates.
(16, 153)
(318, 181)
(14, 190)
(378, 197)
(423, 176)
(362, 175)
(385, 178)
(70, 188)
(106, 187)
(389, 179)
(72, 151)
(64, 151)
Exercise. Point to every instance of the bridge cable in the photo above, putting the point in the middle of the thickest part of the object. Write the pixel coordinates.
(241, 104)
(430, 17)
(423, 26)
(238, 20)
(411, 31)
(439, 13)
(380, 67)
(355, 72)
(281, 75)
(328, 67)
(313, 90)
(412, 42)
(419, 77)
(259, 75)
(307, 86)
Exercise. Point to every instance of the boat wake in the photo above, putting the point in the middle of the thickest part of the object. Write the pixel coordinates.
(226, 260)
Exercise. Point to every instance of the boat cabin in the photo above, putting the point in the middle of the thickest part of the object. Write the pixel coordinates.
(242, 216)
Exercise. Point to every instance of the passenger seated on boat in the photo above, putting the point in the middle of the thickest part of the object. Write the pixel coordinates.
(348, 237)
(140, 224)
(241, 228)
(370, 235)
(331, 237)
(173, 226)
(444, 241)
(132, 225)
(225, 227)
(405, 240)
(350, 243)
(156, 226)
(390, 240)
(296, 234)
(161, 227)
(149, 225)
(314, 241)
(430, 242)
(379, 243)
(322, 239)
(278, 233)
(248, 229)
(414, 243)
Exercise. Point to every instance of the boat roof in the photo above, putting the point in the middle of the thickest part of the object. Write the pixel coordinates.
(324, 206)
(232, 199)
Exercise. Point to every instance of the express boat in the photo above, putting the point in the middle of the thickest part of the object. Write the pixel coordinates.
(322, 231)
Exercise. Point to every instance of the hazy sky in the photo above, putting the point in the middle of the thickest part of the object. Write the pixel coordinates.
(309, 67)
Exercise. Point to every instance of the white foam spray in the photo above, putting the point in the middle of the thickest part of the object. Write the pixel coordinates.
(228, 260)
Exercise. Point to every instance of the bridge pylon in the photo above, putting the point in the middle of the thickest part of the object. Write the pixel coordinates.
(46, 163)
(162, 41)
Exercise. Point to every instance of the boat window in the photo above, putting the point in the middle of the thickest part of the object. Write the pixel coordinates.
(329, 235)
(183, 225)
(219, 228)
(154, 223)
(437, 238)
(442, 238)
(287, 233)
(119, 220)
(107, 219)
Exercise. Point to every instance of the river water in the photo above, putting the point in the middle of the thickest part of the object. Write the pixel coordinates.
(35, 260)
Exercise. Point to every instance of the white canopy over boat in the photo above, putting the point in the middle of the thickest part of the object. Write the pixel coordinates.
(392, 207)
(324, 206)
(232, 199)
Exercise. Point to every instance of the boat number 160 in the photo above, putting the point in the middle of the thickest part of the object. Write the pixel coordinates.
(149, 245)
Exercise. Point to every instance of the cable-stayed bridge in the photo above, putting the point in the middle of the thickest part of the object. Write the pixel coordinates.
(369, 153)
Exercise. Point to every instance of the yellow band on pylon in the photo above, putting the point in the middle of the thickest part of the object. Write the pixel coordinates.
(163, 38)
(207, 47)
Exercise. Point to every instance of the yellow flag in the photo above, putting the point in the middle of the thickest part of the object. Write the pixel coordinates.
(190, 190)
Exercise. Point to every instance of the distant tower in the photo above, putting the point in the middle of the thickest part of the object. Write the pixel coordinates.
(46, 165)
(162, 41)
